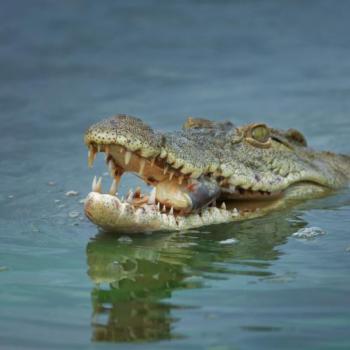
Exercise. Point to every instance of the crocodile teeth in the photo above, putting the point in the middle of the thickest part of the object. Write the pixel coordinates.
(91, 156)
(152, 196)
(142, 166)
(111, 168)
(97, 184)
(114, 187)
(130, 196)
(127, 157)
(171, 212)
(153, 161)
(166, 169)
(223, 206)
(119, 202)
(181, 178)
(93, 184)
(171, 175)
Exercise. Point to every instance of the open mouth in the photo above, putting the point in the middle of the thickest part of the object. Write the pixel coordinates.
(174, 190)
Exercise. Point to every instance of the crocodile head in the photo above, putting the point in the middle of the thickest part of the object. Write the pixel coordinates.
(209, 172)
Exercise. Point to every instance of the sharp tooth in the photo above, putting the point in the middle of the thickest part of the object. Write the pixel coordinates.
(98, 186)
(223, 206)
(117, 201)
(111, 168)
(91, 156)
(181, 178)
(98, 148)
(93, 184)
(164, 208)
(158, 206)
(152, 196)
(166, 169)
(130, 196)
(114, 187)
(111, 165)
(171, 212)
(142, 166)
(127, 157)
(171, 175)
(153, 161)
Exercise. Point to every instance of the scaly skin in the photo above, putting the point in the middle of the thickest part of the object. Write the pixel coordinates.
(209, 172)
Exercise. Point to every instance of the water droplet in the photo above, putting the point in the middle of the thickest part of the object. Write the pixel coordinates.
(309, 233)
(73, 214)
(125, 239)
(71, 193)
(229, 241)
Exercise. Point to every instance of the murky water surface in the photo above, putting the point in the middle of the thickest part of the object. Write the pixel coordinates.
(249, 285)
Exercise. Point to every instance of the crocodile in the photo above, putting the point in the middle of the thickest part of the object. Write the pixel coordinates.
(209, 172)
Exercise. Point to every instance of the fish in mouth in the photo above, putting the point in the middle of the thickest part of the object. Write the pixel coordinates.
(207, 173)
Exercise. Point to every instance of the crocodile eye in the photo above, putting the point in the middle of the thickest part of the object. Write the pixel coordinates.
(260, 133)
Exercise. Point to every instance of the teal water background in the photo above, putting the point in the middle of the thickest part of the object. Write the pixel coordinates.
(67, 64)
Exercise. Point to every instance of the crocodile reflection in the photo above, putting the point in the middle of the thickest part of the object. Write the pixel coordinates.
(133, 283)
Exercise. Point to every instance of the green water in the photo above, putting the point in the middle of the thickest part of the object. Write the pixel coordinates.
(265, 290)
(65, 65)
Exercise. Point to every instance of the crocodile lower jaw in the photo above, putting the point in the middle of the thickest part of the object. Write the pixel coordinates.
(112, 214)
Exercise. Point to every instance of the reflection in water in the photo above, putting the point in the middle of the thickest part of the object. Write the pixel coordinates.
(134, 282)
(130, 282)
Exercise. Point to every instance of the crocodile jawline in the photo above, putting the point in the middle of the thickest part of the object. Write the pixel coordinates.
(139, 206)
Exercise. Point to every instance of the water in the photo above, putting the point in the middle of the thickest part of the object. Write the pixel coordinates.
(65, 65)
